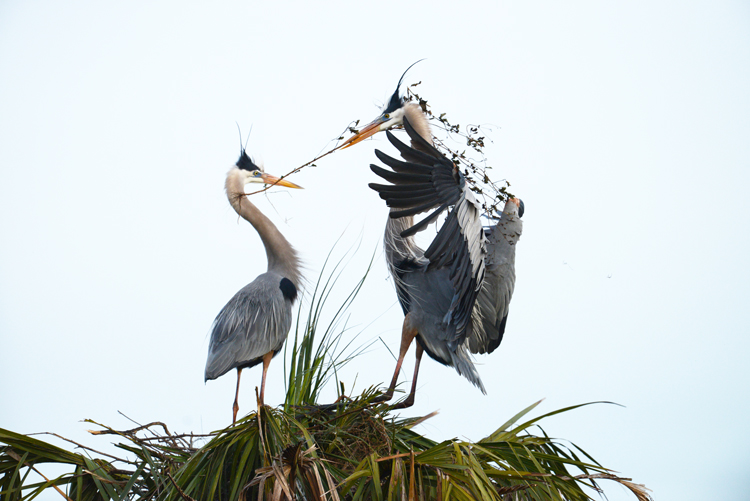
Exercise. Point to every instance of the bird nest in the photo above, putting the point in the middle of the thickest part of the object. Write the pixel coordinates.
(351, 433)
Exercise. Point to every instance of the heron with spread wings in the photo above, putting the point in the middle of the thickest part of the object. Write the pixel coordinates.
(253, 325)
(455, 294)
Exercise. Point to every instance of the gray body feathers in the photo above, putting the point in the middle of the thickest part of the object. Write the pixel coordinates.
(254, 322)
(257, 319)
(430, 294)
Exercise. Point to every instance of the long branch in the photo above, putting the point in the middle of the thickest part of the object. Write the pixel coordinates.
(294, 171)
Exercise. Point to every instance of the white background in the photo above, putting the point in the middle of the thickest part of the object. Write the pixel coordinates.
(625, 128)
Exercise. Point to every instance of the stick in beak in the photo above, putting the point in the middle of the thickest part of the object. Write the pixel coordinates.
(368, 130)
(275, 181)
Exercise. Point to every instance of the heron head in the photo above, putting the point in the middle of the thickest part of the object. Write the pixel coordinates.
(391, 116)
(514, 205)
(254, 173)
(386, 120)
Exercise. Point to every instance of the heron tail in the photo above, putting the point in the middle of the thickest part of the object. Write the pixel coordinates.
(464, 365)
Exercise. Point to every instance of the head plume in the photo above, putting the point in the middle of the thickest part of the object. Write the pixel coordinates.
(246, 163)
(397, 100)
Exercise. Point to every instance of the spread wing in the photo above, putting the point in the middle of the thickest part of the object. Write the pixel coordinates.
(427, 180)
(493, 301)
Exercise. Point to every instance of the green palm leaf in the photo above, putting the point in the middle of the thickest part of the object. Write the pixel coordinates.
(355, 450)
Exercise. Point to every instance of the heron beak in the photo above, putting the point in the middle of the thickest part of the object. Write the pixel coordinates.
(367, 131)
(519, 205)
(275, 181)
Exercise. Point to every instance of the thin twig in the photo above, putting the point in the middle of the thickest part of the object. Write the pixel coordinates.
(182, 493)
(182, 435)
(115, 458)
(294, 171)
(110, 431)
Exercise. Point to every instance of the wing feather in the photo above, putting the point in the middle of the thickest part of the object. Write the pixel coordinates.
(493, 301)
(460, 242)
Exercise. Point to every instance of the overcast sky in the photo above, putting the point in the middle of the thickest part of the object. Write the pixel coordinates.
(624, 127)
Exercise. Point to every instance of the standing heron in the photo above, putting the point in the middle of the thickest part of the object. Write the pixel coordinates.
(454, 295)
(253, 325)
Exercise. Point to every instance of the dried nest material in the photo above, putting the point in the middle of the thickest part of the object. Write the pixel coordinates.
(352, 433)
(162, 444)
(364, 437)
(471, 160)
(351, 450)
(295, 469)
(491, 194)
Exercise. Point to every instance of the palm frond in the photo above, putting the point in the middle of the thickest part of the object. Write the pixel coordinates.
(314, 361)
(354, 450)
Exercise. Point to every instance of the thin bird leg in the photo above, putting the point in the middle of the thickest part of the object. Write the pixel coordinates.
(408, 333)
(266, 362)
(236, 406)
(410, 399)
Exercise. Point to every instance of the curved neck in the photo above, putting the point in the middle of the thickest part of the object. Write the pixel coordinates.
(509, 228)
(416, 118)
(398, 248)
(282, 258)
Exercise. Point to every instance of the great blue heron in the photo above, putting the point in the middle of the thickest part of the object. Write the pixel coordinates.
(253, 325)
(454, 295)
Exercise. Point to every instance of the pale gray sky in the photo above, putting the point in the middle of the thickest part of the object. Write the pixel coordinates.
(625, 127)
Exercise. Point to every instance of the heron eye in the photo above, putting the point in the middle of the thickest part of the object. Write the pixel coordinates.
(256, 173)
(387, 116)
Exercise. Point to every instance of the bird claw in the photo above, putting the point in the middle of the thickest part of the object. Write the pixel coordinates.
(404, 403)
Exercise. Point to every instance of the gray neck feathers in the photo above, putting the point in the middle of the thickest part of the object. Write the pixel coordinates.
(282, 258)
(502, 240)
(510, 225)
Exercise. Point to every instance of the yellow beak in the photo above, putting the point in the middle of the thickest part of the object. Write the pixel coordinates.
(275, 181)
(368, 130)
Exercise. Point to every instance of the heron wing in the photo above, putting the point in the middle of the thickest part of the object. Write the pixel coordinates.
(493, 301)
(254, 322)
(427, 180)
(492, 305)
(430, 295)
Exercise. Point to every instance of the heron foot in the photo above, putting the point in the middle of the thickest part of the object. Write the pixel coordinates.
(385, 397)
(318, 408)
(405, 403)
(329, 408)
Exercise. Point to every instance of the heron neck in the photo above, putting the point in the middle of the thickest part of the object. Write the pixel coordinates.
(282, 258)
(398, 248)
(509, 228)
(418, 120)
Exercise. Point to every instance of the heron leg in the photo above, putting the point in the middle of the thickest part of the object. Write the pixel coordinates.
(408, 333)
(266, 362)
(410, 399)
(236, 406)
